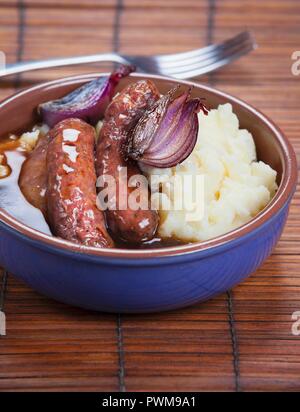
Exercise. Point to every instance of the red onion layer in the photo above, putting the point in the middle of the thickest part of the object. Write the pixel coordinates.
(88, 102)
(166, 134)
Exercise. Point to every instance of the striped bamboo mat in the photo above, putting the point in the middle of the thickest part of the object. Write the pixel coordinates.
(239, 341)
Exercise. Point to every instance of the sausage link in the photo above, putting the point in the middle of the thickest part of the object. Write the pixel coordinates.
(71, 190)
(122, 114)
(33, 176)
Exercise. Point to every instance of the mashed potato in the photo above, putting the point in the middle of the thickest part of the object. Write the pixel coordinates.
(236, 185)
(28, 140)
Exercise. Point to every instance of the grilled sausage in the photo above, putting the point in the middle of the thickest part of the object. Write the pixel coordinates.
(33, 177)
(71, 190)
(121, 115)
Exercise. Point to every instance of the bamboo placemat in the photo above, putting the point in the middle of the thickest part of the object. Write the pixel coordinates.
(239, 341)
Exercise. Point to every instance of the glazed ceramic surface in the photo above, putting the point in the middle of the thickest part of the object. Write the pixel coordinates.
(118, 280)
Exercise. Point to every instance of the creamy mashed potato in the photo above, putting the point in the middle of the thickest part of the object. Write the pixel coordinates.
(28, 140)
(236, 185)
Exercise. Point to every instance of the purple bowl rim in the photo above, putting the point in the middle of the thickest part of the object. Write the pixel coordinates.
(283, 195)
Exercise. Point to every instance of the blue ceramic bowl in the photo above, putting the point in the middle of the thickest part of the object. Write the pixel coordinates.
(115, 280)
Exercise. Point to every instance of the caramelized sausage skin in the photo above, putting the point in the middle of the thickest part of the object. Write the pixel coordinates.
(33, 176)
(71, 188)
(121, 116)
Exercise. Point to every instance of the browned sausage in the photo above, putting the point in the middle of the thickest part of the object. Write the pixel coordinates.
(71, 191)
(121, 115)
(33, 177)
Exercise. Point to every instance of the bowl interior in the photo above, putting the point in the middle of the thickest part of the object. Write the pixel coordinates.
(19, 113)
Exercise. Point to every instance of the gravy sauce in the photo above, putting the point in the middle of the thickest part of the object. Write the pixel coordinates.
(13, 201)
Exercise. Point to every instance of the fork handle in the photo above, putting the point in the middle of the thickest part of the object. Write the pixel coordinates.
(68, 61)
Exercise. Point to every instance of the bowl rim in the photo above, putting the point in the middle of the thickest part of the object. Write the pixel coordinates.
(282, 196)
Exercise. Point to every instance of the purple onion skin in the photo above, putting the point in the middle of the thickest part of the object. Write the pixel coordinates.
(88, 102)
(183, 139)
(166, 135)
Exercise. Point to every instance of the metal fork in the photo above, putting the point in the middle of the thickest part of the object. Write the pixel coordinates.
(179, 65)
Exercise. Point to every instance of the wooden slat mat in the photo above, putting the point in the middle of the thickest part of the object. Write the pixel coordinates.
(239, 341)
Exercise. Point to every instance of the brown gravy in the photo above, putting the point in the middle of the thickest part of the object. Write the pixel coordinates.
(13, 201)
(154, 243)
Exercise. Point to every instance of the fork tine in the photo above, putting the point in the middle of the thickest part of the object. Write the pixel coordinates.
(197, 58)
(203, 51)
(197, 61)
(211, 65)
(198, 64)
(220, 54)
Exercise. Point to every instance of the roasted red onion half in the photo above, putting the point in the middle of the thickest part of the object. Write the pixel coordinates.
(166, 134)
(88, 102)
